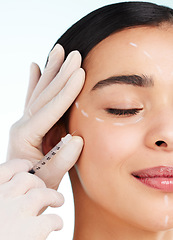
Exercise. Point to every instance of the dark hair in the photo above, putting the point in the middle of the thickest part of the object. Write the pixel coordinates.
(99, 24)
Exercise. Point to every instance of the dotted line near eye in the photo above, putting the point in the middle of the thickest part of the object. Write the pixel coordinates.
(85, 114)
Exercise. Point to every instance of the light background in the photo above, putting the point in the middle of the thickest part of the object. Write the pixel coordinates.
(28, 30)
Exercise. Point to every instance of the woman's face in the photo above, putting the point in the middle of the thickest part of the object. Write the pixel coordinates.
(125, 116)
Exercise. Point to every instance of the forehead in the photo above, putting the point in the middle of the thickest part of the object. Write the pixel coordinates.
(130, 51)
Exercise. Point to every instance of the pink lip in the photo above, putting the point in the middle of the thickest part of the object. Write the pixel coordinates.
(158, 177)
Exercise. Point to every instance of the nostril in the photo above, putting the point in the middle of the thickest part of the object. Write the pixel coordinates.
(161, 143)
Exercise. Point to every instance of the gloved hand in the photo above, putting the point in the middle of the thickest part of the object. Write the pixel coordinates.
(48, 98)
(22, 196)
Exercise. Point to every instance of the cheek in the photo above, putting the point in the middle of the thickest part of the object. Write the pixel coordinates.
(107, 148)
(109, 156)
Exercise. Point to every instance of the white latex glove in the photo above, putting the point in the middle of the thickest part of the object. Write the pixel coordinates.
(49, 96)
(22, 196)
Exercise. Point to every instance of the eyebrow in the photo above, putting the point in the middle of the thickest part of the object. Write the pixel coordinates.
(135, 80)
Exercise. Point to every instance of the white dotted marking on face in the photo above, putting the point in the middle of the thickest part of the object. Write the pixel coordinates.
(156, 65)
(99, 120)
(138, 119)
(118, 124)
(159, 69)
(77, 104)
(169, 230)
(84, 113)
(166, 220)
(133, 44)
(127, 123)
(166, 200)
(147, 54)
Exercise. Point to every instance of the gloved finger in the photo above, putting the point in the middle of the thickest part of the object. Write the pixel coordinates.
(10, 168)
(20, 184)
(71, 64)
(55, 61)
(66, 157)
(40, 198)
(48, 223)
(34, 77)
(33, 131)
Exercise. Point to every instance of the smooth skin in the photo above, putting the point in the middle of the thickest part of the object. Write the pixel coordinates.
(114, 204)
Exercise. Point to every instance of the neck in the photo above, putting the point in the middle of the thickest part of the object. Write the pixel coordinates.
(92, 222)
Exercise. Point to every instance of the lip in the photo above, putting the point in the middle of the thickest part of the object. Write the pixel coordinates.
(160, 177)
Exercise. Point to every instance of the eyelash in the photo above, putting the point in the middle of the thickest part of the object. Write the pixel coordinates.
(124, 112)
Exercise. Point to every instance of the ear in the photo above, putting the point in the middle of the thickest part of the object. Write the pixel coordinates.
(53, 136)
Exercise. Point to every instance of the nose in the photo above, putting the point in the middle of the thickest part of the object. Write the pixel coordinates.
(160, 134)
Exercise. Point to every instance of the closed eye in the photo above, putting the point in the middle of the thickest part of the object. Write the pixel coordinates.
(123, 112)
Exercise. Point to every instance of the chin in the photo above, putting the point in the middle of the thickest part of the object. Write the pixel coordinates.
(154, 222)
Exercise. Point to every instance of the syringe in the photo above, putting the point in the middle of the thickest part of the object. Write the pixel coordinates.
(50, 154)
